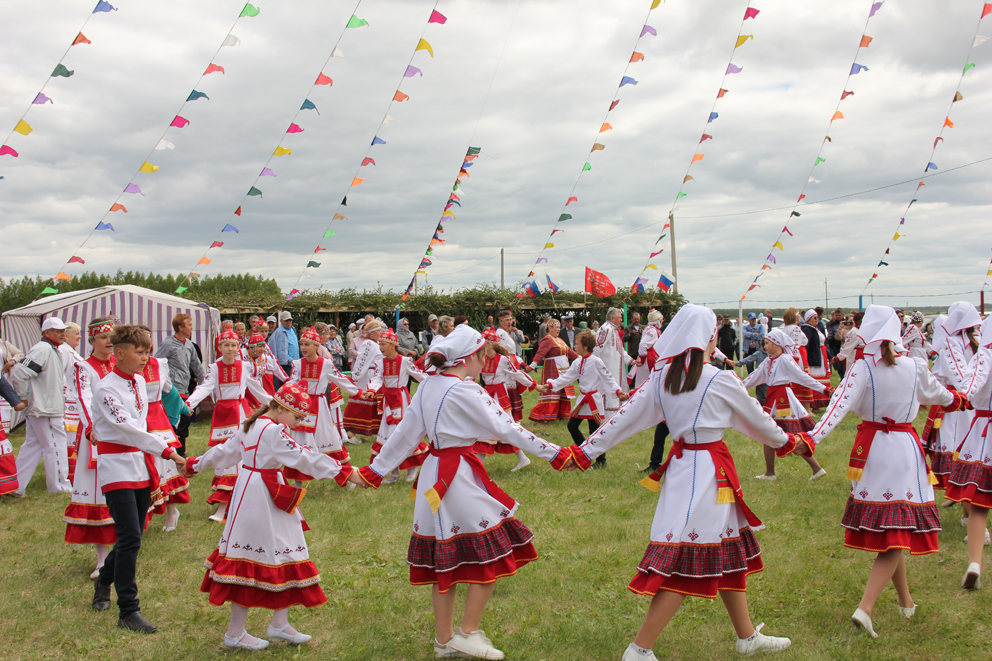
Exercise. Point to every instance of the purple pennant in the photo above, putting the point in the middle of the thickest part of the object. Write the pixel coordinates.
(874, 8)
(133, 188)
(412, 71)
(267, 172)
(542, 259)
(647, 29)
(41, 99)
(641, 281)
(731, 68)
(770, 258)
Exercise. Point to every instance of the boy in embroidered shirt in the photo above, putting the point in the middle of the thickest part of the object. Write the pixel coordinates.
(594, 379)
(126, 468)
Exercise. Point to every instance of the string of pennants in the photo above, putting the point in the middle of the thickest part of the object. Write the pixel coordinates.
(60, 71)
(367, 161)
(976, 41)
(179, 122)
(599, 144)
(770, 261)
(254, 190)
(986, 283)
(664, 282)
(454, 199)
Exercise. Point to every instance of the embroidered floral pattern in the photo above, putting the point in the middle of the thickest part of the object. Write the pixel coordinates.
(693, 535)
(887, 495)
(455, 529)
(863, 493)
(503, 513)
(484, 523)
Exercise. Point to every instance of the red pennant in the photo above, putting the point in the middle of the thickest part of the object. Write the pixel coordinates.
(786, 230)
(598, 284)
(845, 94)
(614, 104)
(324, 80)
(81, 39)
(706, 136)
(367, 161)
(987, 9)
(571, 199)
(216, 244)
(238, 212)
(801, 198)
(318, 250)
(212, 68)
(721, 93)
(74, 259)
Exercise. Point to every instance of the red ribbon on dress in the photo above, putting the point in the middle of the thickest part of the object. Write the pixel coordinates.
(285, 497)
(779, 396)
(116, 448)
(448, 461)
(728, 485)
(865, 437)
(587, 398)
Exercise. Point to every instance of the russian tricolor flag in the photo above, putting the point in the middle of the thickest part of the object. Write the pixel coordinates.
(552, 285)
(664, 284)
(531, 289)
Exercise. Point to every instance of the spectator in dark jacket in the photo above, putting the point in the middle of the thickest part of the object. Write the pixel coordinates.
(632, 335)
(726, 339)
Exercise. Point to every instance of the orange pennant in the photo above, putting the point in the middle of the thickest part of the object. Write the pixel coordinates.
(636, 57)
(948, 123)
(605, 127)
(400, 97)
(720, 94)
(203, 260)
(865, 40)
(697, 157)
(837, 115)
(81, 39)
(357, 181)
(118, 207)
(62, 276)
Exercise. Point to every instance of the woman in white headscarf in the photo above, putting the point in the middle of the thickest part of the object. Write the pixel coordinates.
(702, 539)
(816, 357)
(645, 357)
(891, 507)
(971, 473)
(955, 343)
(464, 528)
(913, 338)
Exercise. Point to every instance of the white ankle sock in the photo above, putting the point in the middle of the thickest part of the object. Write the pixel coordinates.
(640, 650)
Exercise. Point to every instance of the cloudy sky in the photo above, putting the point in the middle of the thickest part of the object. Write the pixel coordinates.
(536, 124)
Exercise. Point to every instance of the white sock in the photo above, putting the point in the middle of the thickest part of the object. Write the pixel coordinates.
(640, 650)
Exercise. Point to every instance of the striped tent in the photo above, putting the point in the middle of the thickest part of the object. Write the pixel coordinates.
(128, 303)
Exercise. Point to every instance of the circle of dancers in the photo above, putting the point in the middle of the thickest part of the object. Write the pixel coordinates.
(265, 445)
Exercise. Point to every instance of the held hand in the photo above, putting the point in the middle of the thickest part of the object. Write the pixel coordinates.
(623, 397)
(802, 449)
(179, 461)
(355, 478)
(368, 394)
(542, 388)
(8, 365)
(570, 465)
(731, 362)
(21, 406)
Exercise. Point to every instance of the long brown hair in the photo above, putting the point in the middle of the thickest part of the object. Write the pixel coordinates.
(674, 383)
(973, 338)
(888, 353)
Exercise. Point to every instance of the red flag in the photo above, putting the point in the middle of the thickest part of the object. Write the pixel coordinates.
(571, 199)
(216, 244)
(324, 80)
(801, 198)
(786, 230)
(76, 260)
(212, 68)
(238, 212)
(80, 39)
(614, 104)
(987, 9)
(598, 284)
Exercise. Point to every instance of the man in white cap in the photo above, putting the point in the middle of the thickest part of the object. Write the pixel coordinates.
(428, 334)
(39, 380)
(610, 349)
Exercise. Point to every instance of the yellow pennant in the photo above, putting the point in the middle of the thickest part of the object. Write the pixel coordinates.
(282, 151)
(423, 45)
(23, 127)
(548, 245)
(741, 39)
(148, 167)
(778, 244)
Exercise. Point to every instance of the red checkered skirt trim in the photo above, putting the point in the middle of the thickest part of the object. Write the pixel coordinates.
(698, 570)
(516, 403)
(971, 482)
(546, 411)
(254, 585)
(794, 425)
(362, 417)
(942, 464)
(223, 487)
(472, 558)
(880, 527)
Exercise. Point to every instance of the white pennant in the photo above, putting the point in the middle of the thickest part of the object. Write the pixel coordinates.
(164, 144)
(979, 39)
(389, 119)
(230, 40)
(337, 52)
(812, 179)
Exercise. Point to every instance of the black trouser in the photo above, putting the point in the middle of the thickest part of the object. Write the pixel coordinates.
(128, 509)
(658, 450)
(760, 392)
(276, 381)
(182, 431)
(573, 429)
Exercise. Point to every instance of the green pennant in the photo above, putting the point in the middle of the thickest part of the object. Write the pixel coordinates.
(355, 22)
(429, 252)
(564, 216)
(60, 70)
(255, 191)
(586, 167)
(180, 290)
(473, 150)
(680, 195)
(330, 233)
(966, 67)
(49, 290)
(312, 264)
(249, 10)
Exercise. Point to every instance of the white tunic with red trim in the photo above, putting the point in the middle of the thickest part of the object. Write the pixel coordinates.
(265, 369)
(87, 517)
(595, 382)
(609, 348)
(780, 373)
(651, 334)
(71, 418)
(157, 383)
(892, 504)
(262, 558)
(322, 430)
(951, 367)
(916, 344)
(499, 374)
(120, 405)
(971, 472)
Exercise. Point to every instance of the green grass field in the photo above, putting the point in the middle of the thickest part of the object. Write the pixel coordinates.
(591, 530)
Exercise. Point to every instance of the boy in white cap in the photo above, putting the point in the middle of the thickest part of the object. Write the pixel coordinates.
(39, 380)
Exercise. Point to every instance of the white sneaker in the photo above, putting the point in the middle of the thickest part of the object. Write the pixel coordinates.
(411, 475)
(759, 642)
(633, 655)
(173, 527)
(96, 574)
(818, 474)
(765, 477)
(973, 577)
(239, 642)
(988, 538)
(861, 620)
(522, 464)
(445, 652)
(475, 644)
(908, 612)
(292, 638)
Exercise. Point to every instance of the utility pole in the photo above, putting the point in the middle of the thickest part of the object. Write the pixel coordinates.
(501, 271)
(826, 296)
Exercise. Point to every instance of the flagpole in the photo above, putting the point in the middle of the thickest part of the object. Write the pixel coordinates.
(671, 238)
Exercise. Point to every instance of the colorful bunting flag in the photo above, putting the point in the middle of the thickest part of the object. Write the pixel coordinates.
(194, 95)
(367, 161)
(948, 123)
(786, 230)
(339, 216)
(732, 68)
(355, 22)
(255, 192)
(627, 80)
(688, 178)
(722, 93)
(282, 151)
(23, 127)
(308, 105)
(586, 167)
(104, 226)
(312, 264)
(216, 244)
(751, 12)
(564, 217)
(323, 80)
(437, 17)
(897, 235)
(597, 147)
(148, 167)
(41, 99)
(423, 45)
(103, 6)
(613, 105)
(874, 8)
(80, 39)
(133, 188)
(294, 128)
(858, 68)
(819, 159)
(713, 115)
(212, 68)
(62, 276)
(647, 29)
(837, 115)
(204, 260)
(636, 57)
(179, 122)
(61, 71)
(743, 38)
(76, 260)
(605, 127)
(329, 234)
(400, 97)
(697, 157)
(118, 207)
(230, 41)
(778, 244)
(231, 228)
(249, 11)
(378, 141)
(164, 144)
(358, 181)
(970, 65)
(412, 71)
(865, 40)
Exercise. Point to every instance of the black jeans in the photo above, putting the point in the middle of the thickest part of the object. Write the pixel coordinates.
(276, 381)
(658, 450)
(182, 431)
(573, 429)
(128, 508)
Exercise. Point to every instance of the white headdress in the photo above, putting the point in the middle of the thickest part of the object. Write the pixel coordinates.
(458, 345)
(692, 327)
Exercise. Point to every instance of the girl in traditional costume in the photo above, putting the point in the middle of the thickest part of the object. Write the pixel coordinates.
(361, 416)
(891, 507)
(782, 374)
(500, 377)
(392, 375)
(702, 539)
(226, 382)
(262, 559)
(464, 528)
(318, 431)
